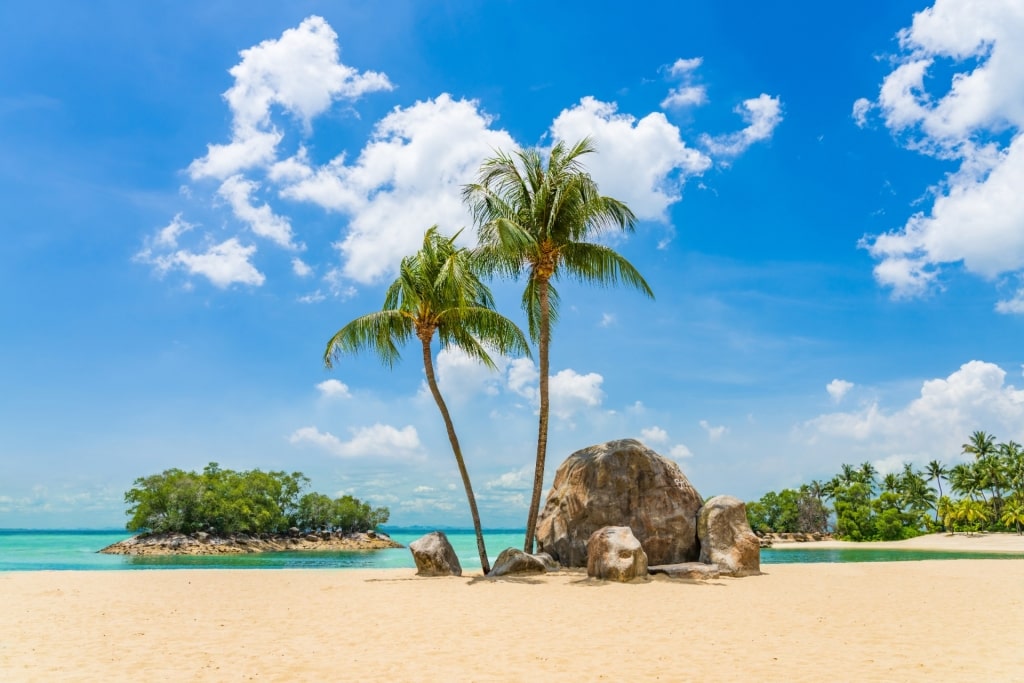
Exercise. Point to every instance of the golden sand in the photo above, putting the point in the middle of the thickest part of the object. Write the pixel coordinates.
(954, 620)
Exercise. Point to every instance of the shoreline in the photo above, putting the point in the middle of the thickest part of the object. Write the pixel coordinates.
(1009, 543)
(875, 621)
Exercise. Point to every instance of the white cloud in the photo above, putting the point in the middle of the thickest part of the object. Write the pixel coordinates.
(641, 162)
(260, 219)
(714, 433)
(654, 435)
(934, 424)
(762, 114)
(168, 236)
(976, 117)
(607, 320)
(332, 388)
(572, 392)
(408, 176)
(300, 72)
(861, 108)
(838, 388)
(523, 378)
(301, 268)
(222, 264)
(686, 94)
(518, 480)
(376, 440)
(460, 377)
(680, 451)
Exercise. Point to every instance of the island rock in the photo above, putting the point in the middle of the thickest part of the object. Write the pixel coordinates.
(620, 483)
(205, 543)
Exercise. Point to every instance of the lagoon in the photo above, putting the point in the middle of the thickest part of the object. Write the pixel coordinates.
(48, 550)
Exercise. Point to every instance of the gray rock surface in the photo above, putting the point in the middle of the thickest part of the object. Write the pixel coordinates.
(434, 556)
(686, 570)
(513, 561)
(615, 554)
(726, 539)
(620, 483)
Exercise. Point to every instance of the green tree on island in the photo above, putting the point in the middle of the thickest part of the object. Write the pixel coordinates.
(437, 293)
(539, 219)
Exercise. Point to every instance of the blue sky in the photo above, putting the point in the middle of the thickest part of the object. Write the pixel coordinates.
(197, 195)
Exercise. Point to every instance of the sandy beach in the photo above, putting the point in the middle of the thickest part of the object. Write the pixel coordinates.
(932, 620)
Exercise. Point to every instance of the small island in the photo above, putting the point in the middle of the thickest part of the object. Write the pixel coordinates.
(221, 511)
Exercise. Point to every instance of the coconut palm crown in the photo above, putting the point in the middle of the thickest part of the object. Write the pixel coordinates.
(539, 219)
(437, 293)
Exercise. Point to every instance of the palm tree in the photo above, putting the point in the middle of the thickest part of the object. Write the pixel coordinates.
(935, 470)
(973, 512)
(538, 219)
(437, 292)
(1013, 513)
(980, 445)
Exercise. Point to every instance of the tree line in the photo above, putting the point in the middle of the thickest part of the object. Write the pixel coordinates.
(224, 502)
(536, 218)
(985, 493)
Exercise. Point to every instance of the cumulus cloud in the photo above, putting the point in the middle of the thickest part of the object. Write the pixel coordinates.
(222, 264)
(301, 268)
(415, 165)
(838, 388)
(460, 376)
(569, 392)
(714, 433)
(301, 73)
(332, 388)
(934, 424)
(762, 114)
(168, 236)
(686, 94)
(680, 451)
(377, 440)
(653, 435)
(644, 162)
(977, 118)
(260, 219)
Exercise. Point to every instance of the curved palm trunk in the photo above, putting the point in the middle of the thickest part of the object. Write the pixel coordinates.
(428, 366)
(542, 428)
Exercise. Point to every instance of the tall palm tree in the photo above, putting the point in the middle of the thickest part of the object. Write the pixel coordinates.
(937, 471)
(437, 292)
(1013, 513)
(539, 219)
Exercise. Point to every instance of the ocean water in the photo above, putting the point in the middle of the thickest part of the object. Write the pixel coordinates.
(34, 550)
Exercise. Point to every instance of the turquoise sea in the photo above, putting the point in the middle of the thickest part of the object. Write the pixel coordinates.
(34, 550)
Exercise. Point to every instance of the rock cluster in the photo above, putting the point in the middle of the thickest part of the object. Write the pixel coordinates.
(620, 483)
(202, 543)
(604, 491)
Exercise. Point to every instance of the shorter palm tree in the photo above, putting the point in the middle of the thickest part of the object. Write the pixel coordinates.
(438, 292)
(1013, 513)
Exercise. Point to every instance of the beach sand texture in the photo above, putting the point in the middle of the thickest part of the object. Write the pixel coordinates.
(899, 621)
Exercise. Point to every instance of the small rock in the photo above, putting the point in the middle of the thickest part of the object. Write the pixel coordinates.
(687, 570)
(515, 561)
(726, 538)
(434, 556)
(615, 554)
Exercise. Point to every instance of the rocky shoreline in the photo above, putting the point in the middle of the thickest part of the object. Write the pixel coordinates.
(202, 543)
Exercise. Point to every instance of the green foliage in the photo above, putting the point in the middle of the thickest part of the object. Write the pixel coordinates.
(991, 490)
(227, 502)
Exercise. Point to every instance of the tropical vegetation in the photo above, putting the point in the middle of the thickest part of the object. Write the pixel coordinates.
(986, 493)
(539, 218)
(438, 293)
(224, 502)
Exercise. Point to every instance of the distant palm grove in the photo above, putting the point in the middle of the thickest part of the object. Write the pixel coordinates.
(224, 502)
(987, 495)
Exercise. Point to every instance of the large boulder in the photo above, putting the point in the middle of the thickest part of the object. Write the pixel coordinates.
(615, 554)
(434, 556)
(726, 539)
(515, 561)
(620, 483)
